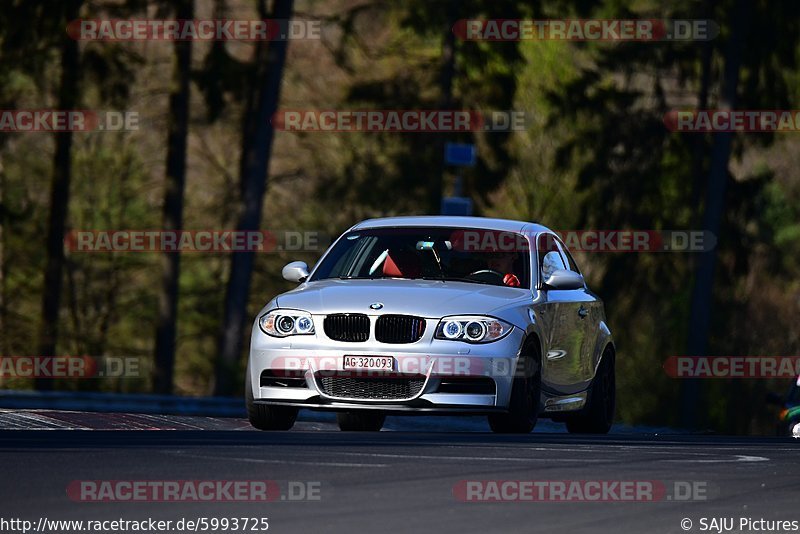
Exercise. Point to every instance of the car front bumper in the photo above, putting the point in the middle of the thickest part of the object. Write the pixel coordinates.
(433, 361)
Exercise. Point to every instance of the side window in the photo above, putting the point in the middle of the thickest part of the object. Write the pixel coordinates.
(571, 265)
(549, 256)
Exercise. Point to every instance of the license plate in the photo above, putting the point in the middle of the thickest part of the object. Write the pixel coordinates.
(381, 363)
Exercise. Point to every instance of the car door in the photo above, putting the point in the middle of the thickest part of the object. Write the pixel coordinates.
(564, 364)
(552, 315)
(581, 317)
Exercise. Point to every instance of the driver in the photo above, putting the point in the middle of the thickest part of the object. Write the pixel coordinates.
(504, 264)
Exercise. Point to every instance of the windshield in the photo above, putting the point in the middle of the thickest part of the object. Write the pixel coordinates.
(425, 253)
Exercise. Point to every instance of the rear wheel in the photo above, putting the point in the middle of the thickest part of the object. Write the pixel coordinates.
(265, 417)
(598, 415)
(524, 405)
(361, 421)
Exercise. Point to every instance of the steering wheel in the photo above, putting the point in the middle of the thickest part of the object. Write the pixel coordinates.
(489, 276)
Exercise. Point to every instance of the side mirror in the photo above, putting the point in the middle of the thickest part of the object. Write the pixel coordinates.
(774, 399)
(564, 279)
(297, 271)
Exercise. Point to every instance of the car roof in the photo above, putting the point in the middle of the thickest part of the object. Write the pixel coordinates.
(450, 221)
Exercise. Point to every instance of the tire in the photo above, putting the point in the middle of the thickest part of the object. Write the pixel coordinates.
(598, 415)
(525, 402)
(265, 417)
(362, 421)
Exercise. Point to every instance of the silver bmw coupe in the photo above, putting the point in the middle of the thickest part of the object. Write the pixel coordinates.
(435, 315)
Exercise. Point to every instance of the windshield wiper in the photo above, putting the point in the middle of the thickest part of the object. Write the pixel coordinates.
(468, 280)
(354, 277)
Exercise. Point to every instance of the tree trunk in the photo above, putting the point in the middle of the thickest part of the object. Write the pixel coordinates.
(700, 140)
(173, 206)
(4, 342)
(445, 102)
(702, 292)
(59, 196)
(257, 137)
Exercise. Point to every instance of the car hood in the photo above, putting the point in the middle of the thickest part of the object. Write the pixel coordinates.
(424, 298)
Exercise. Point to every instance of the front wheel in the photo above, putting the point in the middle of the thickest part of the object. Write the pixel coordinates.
(265, 417)
(598, 415)
(523, 408)
(361, 421)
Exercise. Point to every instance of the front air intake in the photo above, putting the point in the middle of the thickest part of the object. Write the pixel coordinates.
(387, 387)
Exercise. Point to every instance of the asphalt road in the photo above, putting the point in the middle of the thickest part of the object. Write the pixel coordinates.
(393, 481)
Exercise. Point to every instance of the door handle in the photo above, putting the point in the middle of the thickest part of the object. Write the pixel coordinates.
(583, 312)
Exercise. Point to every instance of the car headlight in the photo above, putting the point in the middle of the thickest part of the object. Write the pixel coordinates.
(796, 431)
(472, 329)
(282, 323)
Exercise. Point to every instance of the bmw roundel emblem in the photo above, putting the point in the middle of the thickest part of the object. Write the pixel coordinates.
(376, 306)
